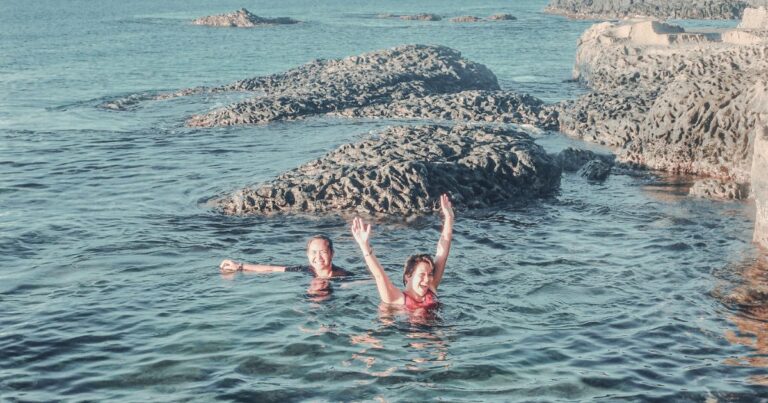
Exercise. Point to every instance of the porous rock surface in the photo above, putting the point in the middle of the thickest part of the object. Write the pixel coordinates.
(242, 19)
(716, 189)
(475, 106)
(403, 171)
(682, 9)
(760, 163)
(668, 99)
(413, 81)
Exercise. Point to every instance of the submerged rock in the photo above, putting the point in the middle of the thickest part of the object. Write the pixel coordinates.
(502, 17)
(466, 18)
(403, 171)
(242, 19)
(421, 17)
(573, 159)
(681, 9)
(595, 170)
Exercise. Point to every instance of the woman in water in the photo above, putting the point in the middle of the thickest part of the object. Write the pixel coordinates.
(422, 274)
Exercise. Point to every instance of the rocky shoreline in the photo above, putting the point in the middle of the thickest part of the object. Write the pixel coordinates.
(403, 170)
(669, 100)
(681, 9)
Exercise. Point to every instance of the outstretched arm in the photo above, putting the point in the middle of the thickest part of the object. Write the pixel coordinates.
(444, 243)
(231, 266)
(387, 291)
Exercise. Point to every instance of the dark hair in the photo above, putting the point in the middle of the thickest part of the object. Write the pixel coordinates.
(413, 260)
(324, 238)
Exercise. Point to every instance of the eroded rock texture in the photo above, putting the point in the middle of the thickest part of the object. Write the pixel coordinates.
(414, 81)
(667, 99)
(684, 9)
(242, 19)
(403, 171)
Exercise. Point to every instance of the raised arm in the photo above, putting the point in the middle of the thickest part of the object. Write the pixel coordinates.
(387, 291)
(231, 266)
(444, 243)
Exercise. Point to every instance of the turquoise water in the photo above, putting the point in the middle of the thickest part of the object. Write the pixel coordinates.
(110, 290)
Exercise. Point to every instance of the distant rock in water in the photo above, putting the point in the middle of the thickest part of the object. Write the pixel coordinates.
(502, 17)
(413, 17)
(573, 159)
(595, 170)
(681, 9)
(403, 170)
(466, 18)
(242, 19)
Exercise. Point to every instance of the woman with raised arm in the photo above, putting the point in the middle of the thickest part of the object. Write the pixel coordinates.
(422, 274)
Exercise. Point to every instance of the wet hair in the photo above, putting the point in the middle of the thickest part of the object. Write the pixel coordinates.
(324, 238)
(413, 260)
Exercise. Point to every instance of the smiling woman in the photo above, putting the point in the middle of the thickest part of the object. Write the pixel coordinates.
(319, 255)
(422, 274)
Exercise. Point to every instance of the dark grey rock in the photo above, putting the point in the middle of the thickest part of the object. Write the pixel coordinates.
(403, 170)
(502, 17)
(573, 159)
(595, 170)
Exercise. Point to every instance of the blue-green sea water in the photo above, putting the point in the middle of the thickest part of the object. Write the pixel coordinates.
(109, 286)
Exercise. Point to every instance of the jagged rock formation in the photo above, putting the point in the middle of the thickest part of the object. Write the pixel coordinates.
(595, 170)
(242, 19)
(683, 9)
(403, 170)
(475, 106)
(667, 99)
(573, 159)
(414, 81)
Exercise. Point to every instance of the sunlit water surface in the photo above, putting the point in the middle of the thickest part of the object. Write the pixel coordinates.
(109, 285)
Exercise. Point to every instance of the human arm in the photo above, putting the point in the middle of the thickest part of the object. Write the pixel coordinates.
(231, 266)
(387, 291)
(444, 243)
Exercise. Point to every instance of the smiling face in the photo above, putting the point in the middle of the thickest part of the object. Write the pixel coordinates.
(320, 255)
(420, 281)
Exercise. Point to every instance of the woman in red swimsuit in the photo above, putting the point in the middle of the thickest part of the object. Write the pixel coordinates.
(422, 274)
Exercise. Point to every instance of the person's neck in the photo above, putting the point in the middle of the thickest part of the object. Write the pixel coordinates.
(323, 273)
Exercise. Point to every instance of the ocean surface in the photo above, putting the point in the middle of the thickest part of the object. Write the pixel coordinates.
(109, 285)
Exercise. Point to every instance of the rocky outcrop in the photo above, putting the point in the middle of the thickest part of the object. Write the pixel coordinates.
(682, 9)
(403, 170)
(760, 163)
(475, 106)
(414, 81)
(667, 99)
(242, 19)
(573, 159)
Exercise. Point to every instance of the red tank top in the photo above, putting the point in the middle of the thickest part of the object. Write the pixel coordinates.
(429, 301)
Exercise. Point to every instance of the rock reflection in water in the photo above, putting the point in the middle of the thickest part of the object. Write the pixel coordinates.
(751, 319)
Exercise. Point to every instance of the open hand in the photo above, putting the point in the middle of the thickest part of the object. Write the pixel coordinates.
(446, 206)
(361, 231)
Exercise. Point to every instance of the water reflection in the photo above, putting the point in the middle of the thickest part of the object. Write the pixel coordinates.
(319, 290)
(751, 318)
(426, 346)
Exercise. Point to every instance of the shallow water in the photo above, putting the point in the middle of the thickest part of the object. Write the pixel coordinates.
(110, 289)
